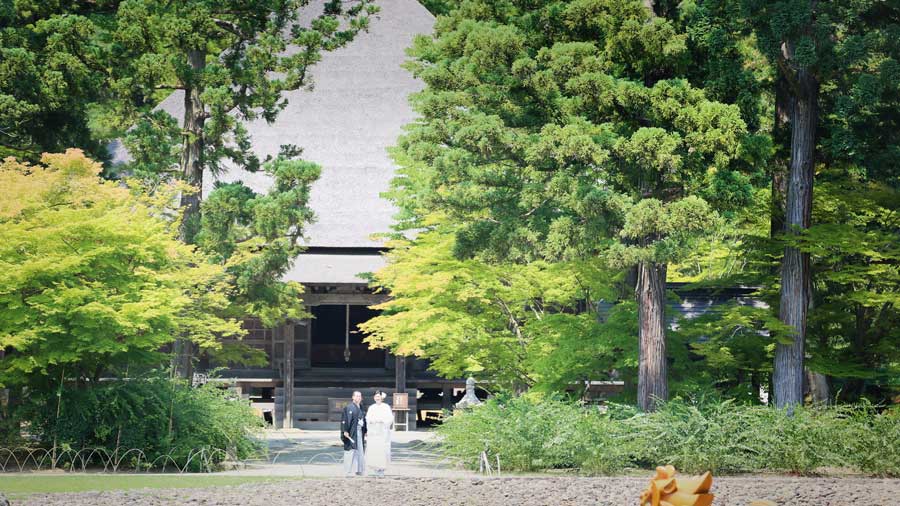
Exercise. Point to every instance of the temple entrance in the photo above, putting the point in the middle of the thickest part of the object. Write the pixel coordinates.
(336, 340)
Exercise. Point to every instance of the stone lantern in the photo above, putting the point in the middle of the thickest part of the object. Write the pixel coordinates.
(470, 399)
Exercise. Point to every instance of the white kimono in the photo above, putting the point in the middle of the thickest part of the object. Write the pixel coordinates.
(379, 422)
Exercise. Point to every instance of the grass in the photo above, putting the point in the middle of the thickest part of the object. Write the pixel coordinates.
(20, 485)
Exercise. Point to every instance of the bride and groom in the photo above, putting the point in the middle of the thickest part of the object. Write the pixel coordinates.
(366, 435)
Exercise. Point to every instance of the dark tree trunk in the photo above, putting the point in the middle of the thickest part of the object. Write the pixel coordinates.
(652, 367)
(626, 288)
(781, 134)
(192, 173)
(192, 148)
(795, 281)
(819, 390)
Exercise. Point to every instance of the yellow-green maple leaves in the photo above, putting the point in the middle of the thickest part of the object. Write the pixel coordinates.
(92, 279)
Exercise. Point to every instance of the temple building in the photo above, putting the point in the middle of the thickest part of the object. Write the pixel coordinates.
(346, 123)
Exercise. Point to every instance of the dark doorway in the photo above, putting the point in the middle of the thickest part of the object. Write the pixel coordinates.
(337, 340)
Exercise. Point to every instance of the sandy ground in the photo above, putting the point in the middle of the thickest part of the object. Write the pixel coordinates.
(558, 491)
(419, 476)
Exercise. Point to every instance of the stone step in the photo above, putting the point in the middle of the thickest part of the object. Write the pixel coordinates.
(312, 404)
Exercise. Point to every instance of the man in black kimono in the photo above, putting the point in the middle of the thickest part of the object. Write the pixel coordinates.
(353, 431)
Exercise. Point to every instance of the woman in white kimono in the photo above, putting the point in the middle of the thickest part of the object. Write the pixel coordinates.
(379, 422)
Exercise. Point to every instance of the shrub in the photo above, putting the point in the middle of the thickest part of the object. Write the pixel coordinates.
(873, 445)
(157, 416)
(529, 435)
(719, 436)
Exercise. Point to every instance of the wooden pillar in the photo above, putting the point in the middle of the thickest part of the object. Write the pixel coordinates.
(288, 334)
(347, 356)
(400, 374)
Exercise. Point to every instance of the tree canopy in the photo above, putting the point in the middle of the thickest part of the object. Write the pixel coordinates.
(567, 130)
(93, 279)
(516, 326)
(52, 69)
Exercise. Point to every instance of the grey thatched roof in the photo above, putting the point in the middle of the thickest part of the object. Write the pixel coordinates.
(355, 111)
(333, 268)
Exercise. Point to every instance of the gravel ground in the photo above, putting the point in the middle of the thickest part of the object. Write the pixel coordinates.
(520, 491)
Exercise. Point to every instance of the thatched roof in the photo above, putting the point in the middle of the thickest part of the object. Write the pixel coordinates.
(355, 111)
(331, 268)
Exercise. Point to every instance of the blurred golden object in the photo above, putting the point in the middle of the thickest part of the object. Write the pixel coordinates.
(667, 490)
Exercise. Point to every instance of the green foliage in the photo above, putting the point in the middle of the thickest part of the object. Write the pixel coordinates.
(569, 131)
(556, 141)
(243, 69)
(156, 415)
(92, 279)
(851, 50)
(51, 70)
(854, 324)
(256, 237)
(726, 60)
(438, 7)
(73, 75)
(527, 435)
(853, 318)
(519, 326)
(722, 437)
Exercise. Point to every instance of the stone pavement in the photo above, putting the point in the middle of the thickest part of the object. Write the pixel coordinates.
(319, 453)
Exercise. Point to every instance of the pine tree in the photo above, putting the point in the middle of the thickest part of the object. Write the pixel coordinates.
(52, 69)
(230, 60)
(562, 130)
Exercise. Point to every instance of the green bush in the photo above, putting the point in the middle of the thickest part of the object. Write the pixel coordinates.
(157, 416)
(528, 435)
(873, 447)
(721, 436)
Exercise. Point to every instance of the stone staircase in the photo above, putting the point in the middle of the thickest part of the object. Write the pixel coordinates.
(317, 400)
(320, 407)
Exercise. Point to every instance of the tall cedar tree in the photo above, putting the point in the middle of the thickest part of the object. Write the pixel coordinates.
(849, 51)
(561, 130)
(836, 66)
(230, 61)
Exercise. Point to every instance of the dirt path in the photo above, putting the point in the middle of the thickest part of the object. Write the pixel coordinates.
(559, 491)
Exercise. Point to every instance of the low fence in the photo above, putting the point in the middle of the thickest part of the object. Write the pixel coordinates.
(24, 459)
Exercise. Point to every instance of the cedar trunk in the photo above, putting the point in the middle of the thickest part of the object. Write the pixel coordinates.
(795, 281)
(652, 367)
(192, 173)
(781, 133)
(192, 148)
